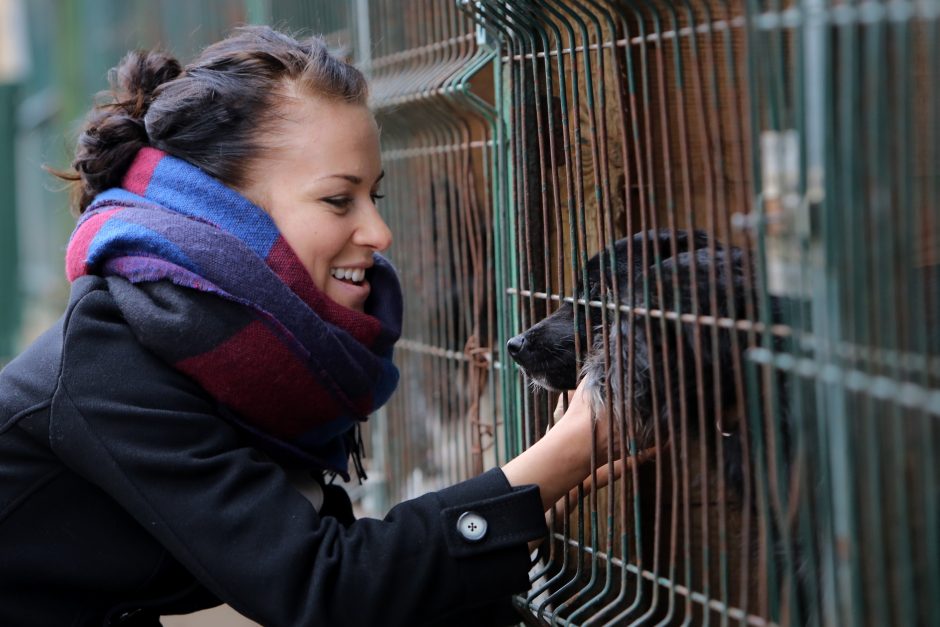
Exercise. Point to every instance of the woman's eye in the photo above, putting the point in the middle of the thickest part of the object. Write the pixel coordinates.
(341, 202)
(345, 202)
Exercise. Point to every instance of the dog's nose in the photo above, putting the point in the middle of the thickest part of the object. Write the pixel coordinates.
(514, 346)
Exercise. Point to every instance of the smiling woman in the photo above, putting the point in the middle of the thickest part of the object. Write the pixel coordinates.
(170, 443)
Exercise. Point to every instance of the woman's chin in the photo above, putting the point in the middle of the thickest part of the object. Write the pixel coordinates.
(350, 295)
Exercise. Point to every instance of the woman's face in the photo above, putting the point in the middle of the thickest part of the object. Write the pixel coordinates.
(319, 182)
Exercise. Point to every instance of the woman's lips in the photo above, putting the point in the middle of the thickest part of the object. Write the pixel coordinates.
(356, 292)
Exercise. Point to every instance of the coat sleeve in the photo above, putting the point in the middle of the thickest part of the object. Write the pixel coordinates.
(152, 439)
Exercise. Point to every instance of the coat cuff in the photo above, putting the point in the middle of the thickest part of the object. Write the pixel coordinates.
(495, 523)
(496, 558)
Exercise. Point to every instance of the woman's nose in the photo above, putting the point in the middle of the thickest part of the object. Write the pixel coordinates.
(373, 232)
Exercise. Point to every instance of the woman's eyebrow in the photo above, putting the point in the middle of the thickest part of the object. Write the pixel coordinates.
(352, 178)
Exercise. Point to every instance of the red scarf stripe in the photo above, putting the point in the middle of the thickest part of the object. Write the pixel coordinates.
(141, 171)
(285, 264)
(77, 253)
(279, 405)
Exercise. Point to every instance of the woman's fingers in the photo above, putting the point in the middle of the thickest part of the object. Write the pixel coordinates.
(562, 404)
(579, 403)
(580, 407)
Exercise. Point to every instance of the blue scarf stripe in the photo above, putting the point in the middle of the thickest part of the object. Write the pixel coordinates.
(387, 382)
(180, 182)
(118, 237)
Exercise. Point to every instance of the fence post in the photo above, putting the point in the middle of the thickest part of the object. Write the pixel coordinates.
(9, 284)
(258, 11)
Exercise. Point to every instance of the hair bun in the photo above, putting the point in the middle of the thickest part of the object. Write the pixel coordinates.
(138, 75)
(114, 130)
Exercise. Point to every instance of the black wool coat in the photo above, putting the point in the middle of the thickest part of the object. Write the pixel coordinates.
(124, 495)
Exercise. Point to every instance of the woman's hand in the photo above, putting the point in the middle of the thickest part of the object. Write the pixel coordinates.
(562, 458)
(600, 418)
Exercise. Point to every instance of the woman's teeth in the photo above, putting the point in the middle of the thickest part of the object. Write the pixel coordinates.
(355, 275)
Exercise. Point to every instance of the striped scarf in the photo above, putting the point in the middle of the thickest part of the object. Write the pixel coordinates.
(295, 370)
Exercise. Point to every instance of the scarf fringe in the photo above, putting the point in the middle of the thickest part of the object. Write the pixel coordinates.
(358, 452)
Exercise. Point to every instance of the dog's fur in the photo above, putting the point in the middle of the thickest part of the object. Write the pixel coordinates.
(546, 351)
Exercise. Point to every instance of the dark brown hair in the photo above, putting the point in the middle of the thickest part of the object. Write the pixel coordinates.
(214, 113)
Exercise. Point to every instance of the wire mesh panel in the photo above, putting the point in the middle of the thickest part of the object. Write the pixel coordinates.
(849, 90)
(765, 344)
(637, 116)
(735, 202)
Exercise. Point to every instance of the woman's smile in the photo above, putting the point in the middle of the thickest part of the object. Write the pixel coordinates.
(349, 285)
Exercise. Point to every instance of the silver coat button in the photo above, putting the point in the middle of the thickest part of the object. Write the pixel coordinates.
(471, 526)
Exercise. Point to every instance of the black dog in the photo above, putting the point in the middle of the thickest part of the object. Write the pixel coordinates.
(675, 365)
(659, 278)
